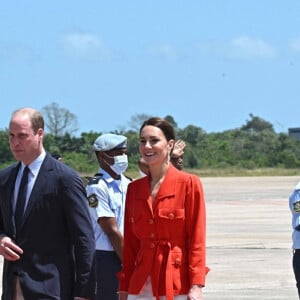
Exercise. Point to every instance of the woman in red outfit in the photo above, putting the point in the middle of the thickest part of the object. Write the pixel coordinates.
(164, 237)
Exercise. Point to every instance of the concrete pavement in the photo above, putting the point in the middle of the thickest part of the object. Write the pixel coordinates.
(249, 238)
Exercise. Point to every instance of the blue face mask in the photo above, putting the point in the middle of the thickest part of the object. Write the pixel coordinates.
(120, 163)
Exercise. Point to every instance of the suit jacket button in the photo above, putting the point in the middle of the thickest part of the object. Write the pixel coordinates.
(150, 221)
(152, 245)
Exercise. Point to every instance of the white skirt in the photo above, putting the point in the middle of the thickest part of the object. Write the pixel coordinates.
(146, 293)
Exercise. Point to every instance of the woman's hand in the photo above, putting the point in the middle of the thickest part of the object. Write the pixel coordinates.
(123, 295)
(195, 292)
(178, 149)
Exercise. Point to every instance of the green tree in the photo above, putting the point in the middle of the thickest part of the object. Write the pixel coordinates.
(6, 156)
(58, 120)
(254, 145)
(257, 124)
(191, 134)
(137, 120)
(171, 120)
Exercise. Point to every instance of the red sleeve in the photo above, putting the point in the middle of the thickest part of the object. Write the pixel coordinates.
(196, 229)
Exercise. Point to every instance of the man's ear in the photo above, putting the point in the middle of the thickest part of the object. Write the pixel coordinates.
(40, 133)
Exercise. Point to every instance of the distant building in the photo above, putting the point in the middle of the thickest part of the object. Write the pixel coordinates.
(295, 133)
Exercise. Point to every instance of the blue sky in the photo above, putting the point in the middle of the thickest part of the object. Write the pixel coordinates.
(206, 63)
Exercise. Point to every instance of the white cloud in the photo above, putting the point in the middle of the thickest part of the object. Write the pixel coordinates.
(86, 46)
(247, 47)
(164, 51)
(241, 47)
(295, 45)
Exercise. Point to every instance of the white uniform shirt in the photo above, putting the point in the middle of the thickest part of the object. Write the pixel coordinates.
(107, 199)
(294, 204)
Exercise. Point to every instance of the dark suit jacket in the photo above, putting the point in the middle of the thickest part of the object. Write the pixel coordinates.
(56, 235)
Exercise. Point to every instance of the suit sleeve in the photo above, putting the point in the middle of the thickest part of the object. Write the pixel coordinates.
(81, 231)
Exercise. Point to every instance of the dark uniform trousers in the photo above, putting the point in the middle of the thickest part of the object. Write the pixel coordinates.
(296, 267)
(108, 265)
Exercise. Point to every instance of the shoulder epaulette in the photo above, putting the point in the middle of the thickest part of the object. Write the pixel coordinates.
(95, 179)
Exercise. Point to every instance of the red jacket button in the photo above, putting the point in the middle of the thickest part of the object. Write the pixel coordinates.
(171, 216)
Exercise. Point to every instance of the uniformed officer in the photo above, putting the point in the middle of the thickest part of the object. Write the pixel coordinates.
(294, 203)
(106, 192)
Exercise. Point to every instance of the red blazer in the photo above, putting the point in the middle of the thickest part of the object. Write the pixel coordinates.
(164, 239)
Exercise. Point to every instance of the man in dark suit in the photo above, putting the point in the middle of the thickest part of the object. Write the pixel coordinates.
(50, 255)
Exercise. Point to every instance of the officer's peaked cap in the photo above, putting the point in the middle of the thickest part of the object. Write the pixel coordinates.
(109, 141)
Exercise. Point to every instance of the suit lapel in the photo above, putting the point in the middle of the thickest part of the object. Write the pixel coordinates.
(38, 187)
(11, 188)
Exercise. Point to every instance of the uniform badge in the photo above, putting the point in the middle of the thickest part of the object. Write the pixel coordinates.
(93, 201)
(296, 206)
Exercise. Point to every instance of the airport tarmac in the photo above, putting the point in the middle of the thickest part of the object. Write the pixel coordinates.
(249, 238)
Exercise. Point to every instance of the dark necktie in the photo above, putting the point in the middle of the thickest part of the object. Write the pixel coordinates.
(21, 199)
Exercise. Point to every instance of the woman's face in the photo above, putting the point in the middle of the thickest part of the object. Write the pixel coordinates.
(154, 147)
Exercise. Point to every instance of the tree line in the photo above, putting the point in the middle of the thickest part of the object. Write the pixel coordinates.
(254, 145)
